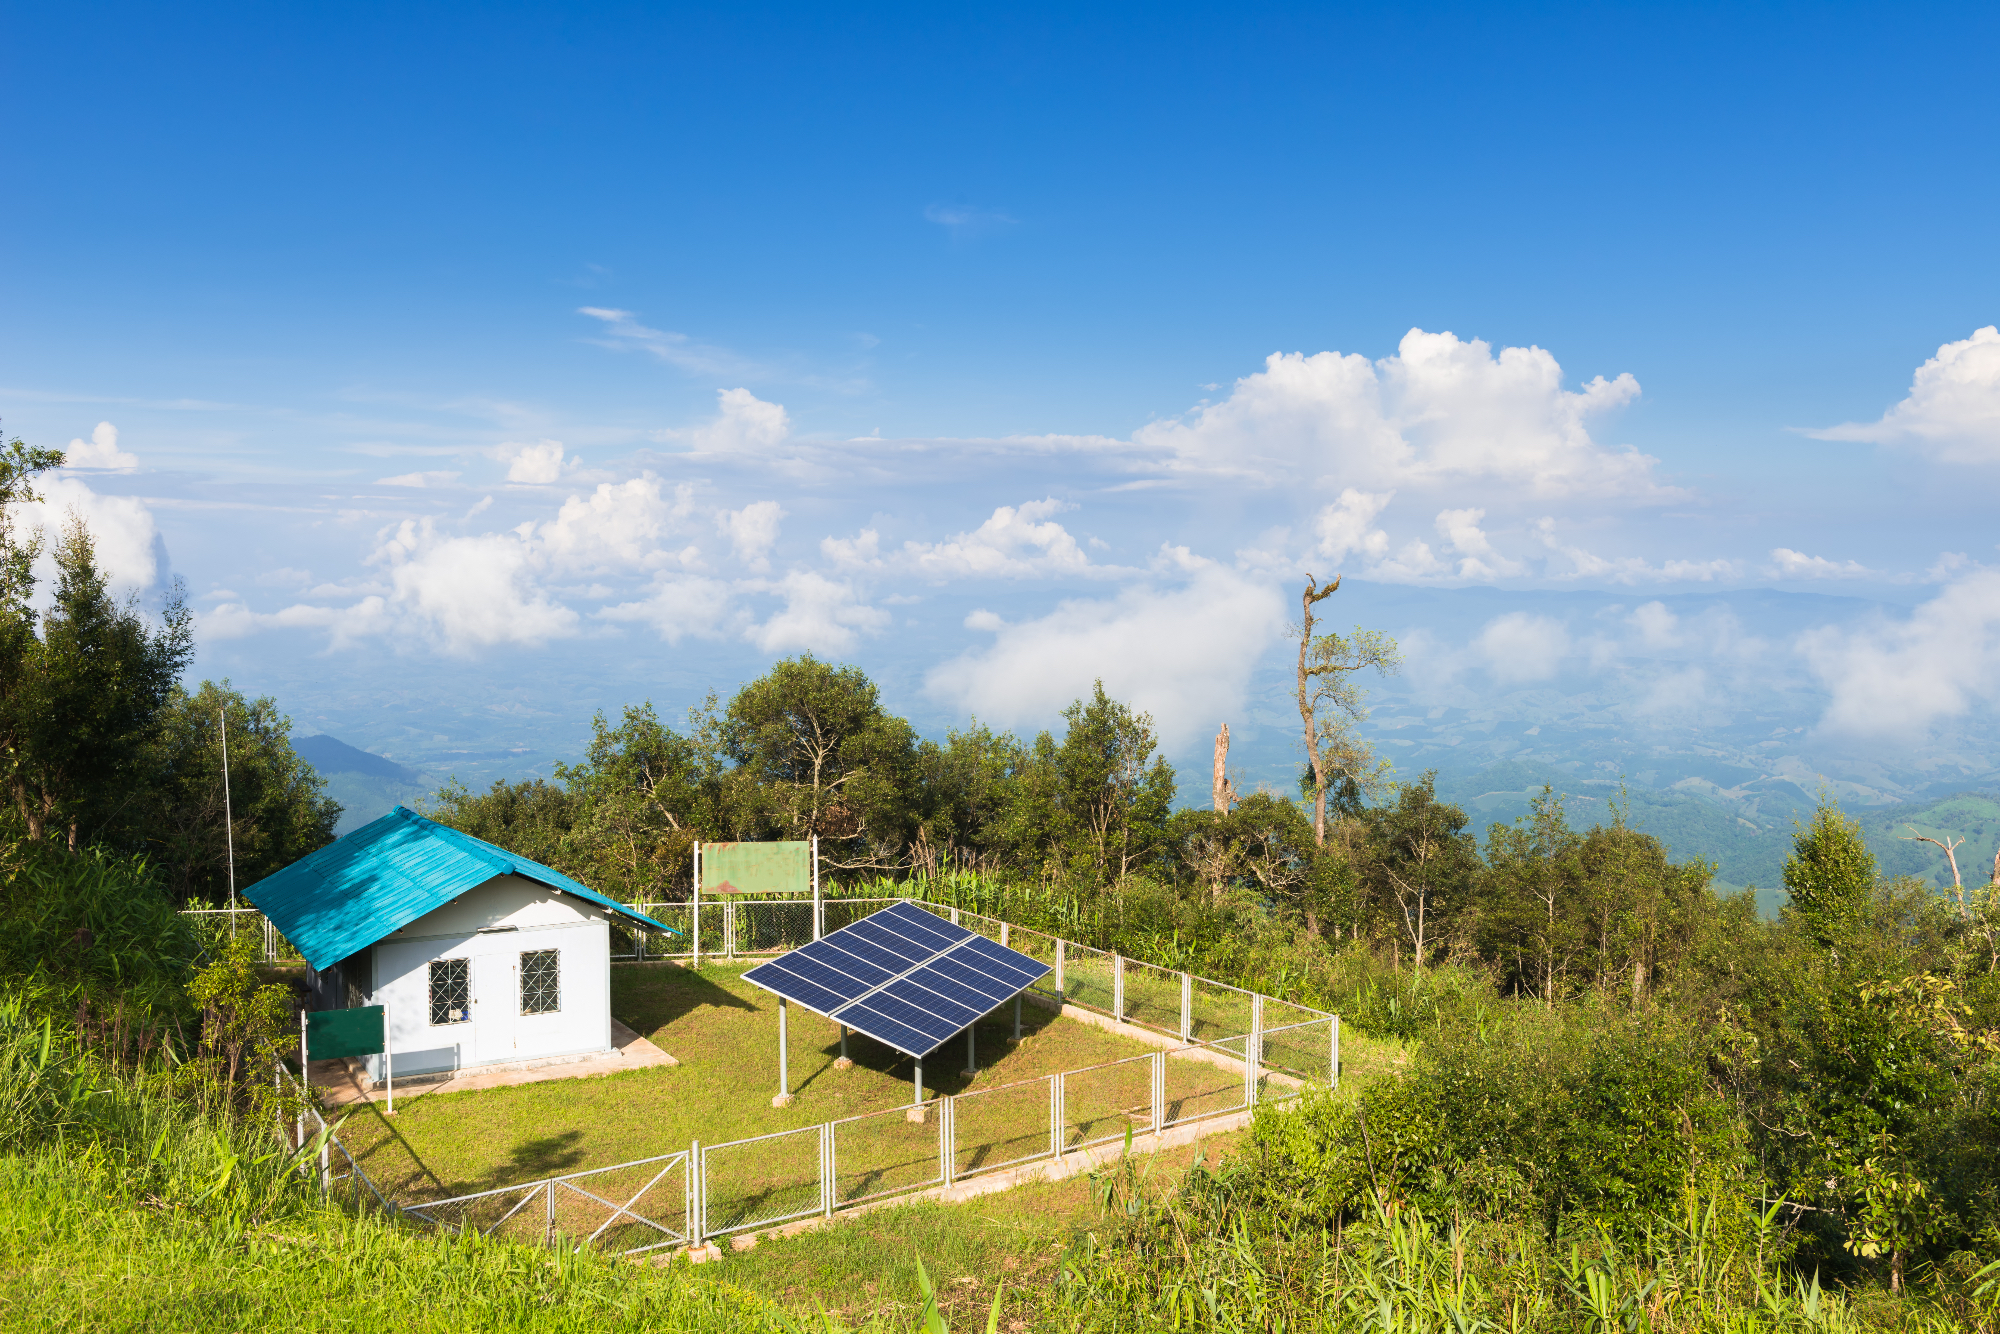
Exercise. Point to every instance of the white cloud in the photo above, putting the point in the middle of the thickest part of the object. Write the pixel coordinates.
(419, 479)
(1015, 542)
(1790, 564)
(539, 464)
(619, 527)
(1629, 569)
(474, 592)
(1522, 647)
(1461, 529)
(679, 605)
(743, 423)
(820, 615)
(1347, 525)
(1952, 411)
(752, 531)
(1657, 626)
(1897, 678)
(965, 219)
(123, 531)
(1183, 654)
(1441, 410)
(100, 451)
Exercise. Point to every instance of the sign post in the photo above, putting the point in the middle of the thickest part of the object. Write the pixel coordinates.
(327, 1035)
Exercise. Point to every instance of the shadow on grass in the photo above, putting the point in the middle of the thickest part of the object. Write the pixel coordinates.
(646, 997)
(944, 1069)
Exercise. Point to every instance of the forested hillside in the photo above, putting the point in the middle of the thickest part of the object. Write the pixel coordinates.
(1626, 1101)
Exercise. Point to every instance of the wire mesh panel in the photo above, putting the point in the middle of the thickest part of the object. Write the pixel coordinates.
(1304, 1051)
(1152, 997)
(1283, 1014)
(630, 941)
(1088, 978)
(1041, 947)
(1203, 1082)
(1218, 1012)
(1101, 1102)
(514, 1213)
(772, 926)
(631, 1207)
(885, 1153)
(998, 1127)
(751, 1182)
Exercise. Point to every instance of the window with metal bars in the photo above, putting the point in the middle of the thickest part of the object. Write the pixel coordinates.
(451, 991)
(541, 982)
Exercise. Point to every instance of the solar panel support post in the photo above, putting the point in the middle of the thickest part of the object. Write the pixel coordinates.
(1017, 1016)
(971, 1050)
(920, 1083)
(784, 1098)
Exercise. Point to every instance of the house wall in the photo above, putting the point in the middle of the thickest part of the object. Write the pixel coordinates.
(491, 927)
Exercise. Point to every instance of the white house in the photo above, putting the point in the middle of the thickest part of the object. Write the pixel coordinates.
(481, 957)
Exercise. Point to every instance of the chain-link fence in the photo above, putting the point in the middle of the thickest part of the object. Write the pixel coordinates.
(628, 1208)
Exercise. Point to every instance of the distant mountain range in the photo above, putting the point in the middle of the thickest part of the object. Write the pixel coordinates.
(366, 785)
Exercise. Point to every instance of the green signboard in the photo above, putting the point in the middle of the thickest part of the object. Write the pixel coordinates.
(331, 1034)
(756, 868)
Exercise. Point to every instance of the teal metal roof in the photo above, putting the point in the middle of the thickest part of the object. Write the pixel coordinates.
(387, 874)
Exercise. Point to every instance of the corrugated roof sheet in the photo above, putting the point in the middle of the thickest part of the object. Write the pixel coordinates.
(387, 874)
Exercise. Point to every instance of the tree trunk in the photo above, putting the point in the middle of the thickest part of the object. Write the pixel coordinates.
(1224, 791)
(1313, 594)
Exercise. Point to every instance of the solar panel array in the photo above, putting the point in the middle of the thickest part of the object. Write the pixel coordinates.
(902, 976)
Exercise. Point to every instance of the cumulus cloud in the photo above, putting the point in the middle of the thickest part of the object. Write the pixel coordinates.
(679, 605)
(743, 423)
(1952, 411)
(1479, 560)
(820, 615)
(100, 452)
(1441, 410)
(539, 464)
(123, 532)
(1348, 525)
(1789, 564)
(474, 592)
(752, 531)
(1015, 542)
(966, 219)
(1521, 647)
(1182, 652)
(1898, 678)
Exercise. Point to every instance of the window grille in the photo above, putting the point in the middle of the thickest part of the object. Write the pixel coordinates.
(541, 982)
(451, 991)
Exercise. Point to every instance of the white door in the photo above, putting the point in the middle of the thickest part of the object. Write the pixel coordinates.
(495, 1001)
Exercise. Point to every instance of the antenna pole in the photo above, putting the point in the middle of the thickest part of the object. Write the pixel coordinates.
(228, 821)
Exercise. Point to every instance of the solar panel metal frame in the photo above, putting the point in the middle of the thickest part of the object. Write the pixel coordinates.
(953, 978)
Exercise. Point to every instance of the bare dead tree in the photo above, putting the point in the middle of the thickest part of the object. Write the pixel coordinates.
(1950, 844)
(1224, 790)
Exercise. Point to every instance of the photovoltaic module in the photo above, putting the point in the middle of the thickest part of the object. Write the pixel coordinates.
(901, 976)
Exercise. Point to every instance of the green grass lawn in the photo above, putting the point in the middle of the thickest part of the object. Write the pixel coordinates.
(724, 1033)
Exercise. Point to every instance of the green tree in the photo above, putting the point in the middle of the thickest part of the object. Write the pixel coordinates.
(1332, 705)
(815, 753)
(1830, 875)
(90, 696)
(1095, 805)
(643, 796)
(1421, 866)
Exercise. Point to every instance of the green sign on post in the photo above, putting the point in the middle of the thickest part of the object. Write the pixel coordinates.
(332, 1034)
(756, 868)
(329, 1035)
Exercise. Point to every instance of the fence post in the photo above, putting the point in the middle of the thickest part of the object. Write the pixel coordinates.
(945, 1139)
(1062, 996)
(1187, 1006)
(1253, 1046)
(1003, 933)
(696, 1188)
(1159, 1090)
(1058, 1114)
(1118, 987)
(954, 914)
(696, 963)
(1336, 1051)
(818, 906)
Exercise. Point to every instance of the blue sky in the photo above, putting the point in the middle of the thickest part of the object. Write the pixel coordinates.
(477, 367)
